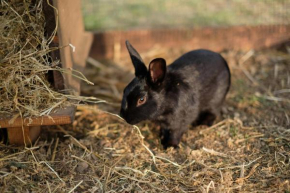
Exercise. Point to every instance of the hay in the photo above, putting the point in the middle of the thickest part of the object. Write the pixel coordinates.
(114, 157)
(25, 63)
(245, 151)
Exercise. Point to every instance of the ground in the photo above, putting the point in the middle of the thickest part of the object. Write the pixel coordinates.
(246, 150)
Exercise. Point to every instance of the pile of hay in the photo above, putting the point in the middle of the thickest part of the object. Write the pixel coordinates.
(245, 151)
(25, 62)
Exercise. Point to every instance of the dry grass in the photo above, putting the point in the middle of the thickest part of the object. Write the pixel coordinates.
(247, 150)
(25, 63)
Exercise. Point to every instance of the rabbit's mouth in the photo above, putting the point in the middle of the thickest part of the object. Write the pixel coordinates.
(129, 119)
(132, 122)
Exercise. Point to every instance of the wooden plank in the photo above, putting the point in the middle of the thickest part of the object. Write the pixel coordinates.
(212, 38)
(23, 135)
(17, 135)
(71, 32)
(60, 117)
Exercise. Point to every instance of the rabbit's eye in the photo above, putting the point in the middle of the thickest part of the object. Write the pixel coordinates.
(141, 101)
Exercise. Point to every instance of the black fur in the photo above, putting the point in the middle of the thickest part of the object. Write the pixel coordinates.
(140, 68)
(189, 91)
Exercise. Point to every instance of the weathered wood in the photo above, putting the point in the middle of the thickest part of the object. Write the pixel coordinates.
(18, 135)
(34, 132)
(60, 117)
(71, 32)
(50, 25)
(23, 135)
(213, 38)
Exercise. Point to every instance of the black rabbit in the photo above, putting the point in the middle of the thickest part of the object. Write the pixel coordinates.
(189, 91)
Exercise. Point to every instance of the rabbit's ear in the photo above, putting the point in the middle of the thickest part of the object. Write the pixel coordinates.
(157, 70)
(140, 68)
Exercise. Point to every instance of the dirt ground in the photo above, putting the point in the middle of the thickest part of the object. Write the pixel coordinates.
(246, 150)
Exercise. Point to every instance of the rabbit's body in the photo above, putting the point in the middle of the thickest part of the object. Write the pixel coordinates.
(196, 95)
(189, 91)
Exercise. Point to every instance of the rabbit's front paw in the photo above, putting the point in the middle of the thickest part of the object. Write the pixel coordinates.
(168, 138)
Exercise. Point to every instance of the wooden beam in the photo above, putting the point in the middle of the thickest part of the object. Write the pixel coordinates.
(60, 117)
(212, 38)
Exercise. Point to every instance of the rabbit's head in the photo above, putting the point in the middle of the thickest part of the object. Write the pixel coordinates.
(141, 98)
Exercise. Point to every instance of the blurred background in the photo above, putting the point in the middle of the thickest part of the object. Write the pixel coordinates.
(102, 15)
(253, 36)
(185, 24)
(252, 33)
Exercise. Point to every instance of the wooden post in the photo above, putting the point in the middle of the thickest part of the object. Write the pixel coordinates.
(23, 135)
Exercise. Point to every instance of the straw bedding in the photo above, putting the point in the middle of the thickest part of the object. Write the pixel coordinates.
(25, 63)
(247, 150)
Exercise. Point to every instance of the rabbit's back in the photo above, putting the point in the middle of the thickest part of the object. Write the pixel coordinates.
(205, 62)
(207, 72)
